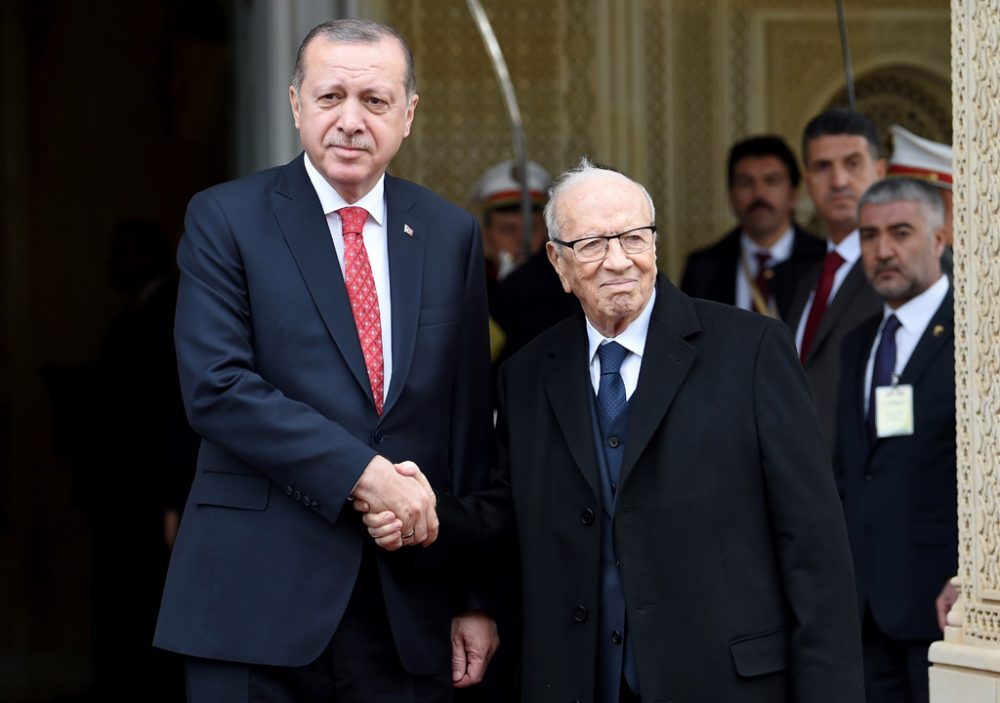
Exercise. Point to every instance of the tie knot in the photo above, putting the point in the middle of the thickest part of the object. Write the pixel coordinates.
(352, 219)
(763, 259)
(833, 260)
(892, 324)
(612, 355)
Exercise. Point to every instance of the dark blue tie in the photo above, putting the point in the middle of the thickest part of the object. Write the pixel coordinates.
(611, 390)
(884, 368)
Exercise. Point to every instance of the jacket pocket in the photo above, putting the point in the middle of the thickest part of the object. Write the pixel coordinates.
(441, 314)
(760, 654)
(229, 490)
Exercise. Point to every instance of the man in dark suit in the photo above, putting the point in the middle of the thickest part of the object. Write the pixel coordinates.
(895, 453)
(841, 155)
(318, 342)
(677, 541)
(758, 264)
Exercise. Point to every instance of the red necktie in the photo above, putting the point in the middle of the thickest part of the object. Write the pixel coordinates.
(831, 263)
(364, 299)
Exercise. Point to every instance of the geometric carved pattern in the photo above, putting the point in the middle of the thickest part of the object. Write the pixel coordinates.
(976, 85)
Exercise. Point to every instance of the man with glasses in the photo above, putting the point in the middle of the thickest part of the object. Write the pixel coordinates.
(677, 542)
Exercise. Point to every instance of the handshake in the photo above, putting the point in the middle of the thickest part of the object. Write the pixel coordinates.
(398, 504)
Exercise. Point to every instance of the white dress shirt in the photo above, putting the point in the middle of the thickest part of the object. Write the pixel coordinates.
(633, 339)
(780, 251)
(850, 251)
(914, 315)
(375, 245)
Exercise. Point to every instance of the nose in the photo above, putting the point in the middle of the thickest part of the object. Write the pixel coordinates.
(616, 259)
(883, 247)
(351, 121)
(839, 176)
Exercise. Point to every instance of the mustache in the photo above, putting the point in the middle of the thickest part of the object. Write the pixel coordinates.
(840, 192)
(760, 203)
(357, 142)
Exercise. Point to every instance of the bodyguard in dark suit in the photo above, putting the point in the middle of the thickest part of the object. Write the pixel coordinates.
(895, 454)
(318, 342)
(841, 154)
(758, 264)
(677, 541)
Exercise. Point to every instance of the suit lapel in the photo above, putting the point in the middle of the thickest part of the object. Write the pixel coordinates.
(303, 224)
(406, 239)
(936, 337)
(667, 359)
(568, 387)
(805, 286)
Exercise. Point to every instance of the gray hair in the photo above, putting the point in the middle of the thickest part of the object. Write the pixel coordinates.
(353, 31)
(584, 170)
(911, 190)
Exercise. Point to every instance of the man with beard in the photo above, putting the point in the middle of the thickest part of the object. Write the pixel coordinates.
(895, 455)
(841, 154)
(758, 264)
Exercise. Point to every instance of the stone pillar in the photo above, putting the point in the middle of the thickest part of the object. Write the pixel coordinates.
(966, 665)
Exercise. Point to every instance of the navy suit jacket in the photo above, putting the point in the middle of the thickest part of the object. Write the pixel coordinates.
(274, 381)
(710, 273)
(900, 493)
(731, 541)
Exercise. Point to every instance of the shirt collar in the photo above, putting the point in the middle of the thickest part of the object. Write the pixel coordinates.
(849, 247)
(779, 251)
(634, 336)
(915, 314)
(331, 201)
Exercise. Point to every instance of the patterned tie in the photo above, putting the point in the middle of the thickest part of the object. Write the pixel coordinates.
(611, 389)
(364, 299)
(764, 274)
(883, 369)
(831, 263)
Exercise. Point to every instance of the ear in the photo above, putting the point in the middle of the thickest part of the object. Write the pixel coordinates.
(881, 167)
(940, 240)
(293, 98)
(410, 109)
(552, 250)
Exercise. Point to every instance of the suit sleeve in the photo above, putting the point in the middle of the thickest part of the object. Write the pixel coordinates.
(227, 401)
(808, 530)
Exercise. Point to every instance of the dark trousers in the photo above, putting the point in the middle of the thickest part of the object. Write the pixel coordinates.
(360, 665)
(895, 670)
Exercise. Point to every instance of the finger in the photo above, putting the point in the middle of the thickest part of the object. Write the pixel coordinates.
(942, 612)
(392, 528)
(407, 468)
(390, 543)
(476, 667)
(360, 505)
(458, 661)
(380, 519)
(433, 527)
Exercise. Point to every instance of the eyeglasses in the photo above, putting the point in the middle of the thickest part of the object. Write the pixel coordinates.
(590, 249)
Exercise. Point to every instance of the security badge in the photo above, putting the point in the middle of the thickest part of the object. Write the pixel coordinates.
(894, 410)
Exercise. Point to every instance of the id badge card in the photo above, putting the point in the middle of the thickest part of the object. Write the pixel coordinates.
(894, 411)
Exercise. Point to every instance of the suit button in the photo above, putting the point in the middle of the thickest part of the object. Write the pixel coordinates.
(613, 442)
(579, 613)
(587, 517)
(378, 436)
(616, 637)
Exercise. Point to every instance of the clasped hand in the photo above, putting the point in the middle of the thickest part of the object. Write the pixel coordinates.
(398, 504)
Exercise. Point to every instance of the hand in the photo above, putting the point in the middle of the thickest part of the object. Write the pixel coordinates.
(398, 502)
(947, 598)
(474, 640)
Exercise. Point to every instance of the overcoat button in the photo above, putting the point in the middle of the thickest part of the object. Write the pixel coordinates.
(616, 637)
(579, 613)
(613, 442)
(587, 516)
